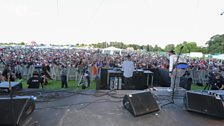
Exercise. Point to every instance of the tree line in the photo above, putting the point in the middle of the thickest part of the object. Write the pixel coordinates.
(213, 46)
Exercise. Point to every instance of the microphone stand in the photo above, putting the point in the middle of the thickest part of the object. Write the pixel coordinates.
(172, 97)
(175, 76)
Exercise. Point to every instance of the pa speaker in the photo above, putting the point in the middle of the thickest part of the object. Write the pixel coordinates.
(205, 103)
(15, 110)
(140, 103)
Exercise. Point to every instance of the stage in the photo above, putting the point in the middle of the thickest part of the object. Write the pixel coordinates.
(105, 108)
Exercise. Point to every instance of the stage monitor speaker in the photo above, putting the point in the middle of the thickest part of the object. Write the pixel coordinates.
(205, 103)
(140, 103)
(14, 111)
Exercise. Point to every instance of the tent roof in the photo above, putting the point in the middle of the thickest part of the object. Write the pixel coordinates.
(112, 48)
(220, 56)
(196, 54)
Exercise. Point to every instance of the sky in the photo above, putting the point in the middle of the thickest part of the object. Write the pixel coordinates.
(140, 22)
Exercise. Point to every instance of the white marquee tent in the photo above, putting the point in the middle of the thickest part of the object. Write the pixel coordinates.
(196, 54)
(111, 50)
(220, 56)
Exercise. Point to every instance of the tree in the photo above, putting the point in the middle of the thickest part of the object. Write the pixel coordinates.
(22, 43)
(42, 44)
(216, 44)
(118, 45)
(169, 47)
(135, 46)
(187, 47)
(147, 48)
(204, 50)
(192, 47)
(157, 48)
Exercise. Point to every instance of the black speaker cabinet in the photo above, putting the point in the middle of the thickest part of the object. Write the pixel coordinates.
(205, 103)
(140, 103)
(14, 111)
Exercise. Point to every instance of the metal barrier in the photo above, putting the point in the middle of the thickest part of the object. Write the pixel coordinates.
(198, 76)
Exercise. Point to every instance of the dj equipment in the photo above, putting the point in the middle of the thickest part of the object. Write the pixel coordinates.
(140, 103)
(205, 102)
(14, 111)
(139, 79)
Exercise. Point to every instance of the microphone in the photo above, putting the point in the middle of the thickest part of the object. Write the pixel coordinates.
(222, 13)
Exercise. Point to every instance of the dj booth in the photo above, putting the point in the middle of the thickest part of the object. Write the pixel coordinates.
(110, 78)
(113, 79)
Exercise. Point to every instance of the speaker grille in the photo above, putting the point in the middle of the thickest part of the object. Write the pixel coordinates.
(12, 108)
(141, 103)
(204, 103)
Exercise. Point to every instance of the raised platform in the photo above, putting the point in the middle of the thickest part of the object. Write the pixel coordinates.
(105, 108)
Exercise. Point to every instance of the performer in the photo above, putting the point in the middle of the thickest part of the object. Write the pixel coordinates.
(176, 69)
(128, 68)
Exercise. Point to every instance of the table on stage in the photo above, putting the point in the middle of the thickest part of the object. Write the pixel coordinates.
(119, 74)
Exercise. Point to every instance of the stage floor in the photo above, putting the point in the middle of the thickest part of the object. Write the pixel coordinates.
(105, 108)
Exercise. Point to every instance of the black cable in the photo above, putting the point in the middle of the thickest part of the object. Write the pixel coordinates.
(41, 95)
(45, 96)
(170, 103)
(111, 93)
(69, 105)
(97, 102)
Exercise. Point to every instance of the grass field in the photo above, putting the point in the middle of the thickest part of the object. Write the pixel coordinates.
(56, 84)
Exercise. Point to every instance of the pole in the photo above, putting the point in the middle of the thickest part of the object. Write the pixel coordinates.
(175, 76)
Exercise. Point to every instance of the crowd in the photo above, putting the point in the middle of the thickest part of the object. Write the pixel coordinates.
(19, 58)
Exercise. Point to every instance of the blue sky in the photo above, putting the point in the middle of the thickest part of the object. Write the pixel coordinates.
(151, 22)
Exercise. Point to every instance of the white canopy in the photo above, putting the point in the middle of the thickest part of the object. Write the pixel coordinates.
(220, 56)
(196, 54)
(111, 50)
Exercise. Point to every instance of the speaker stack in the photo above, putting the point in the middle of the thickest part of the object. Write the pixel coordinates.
(140, 103)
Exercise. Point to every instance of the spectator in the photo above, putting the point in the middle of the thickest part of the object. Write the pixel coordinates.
(34, 81)
(64, 77)
(1, 77)
(217, 82)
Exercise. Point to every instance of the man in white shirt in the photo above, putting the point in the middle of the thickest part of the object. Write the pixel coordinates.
(128, 68)
(176, 69)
